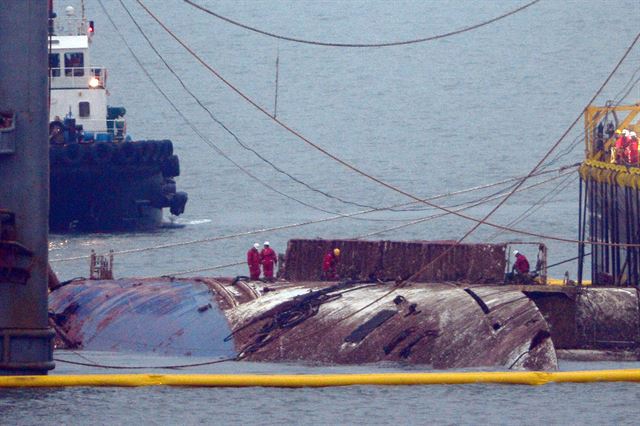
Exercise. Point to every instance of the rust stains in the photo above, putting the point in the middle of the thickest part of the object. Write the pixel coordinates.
(390, 260)
(357, 323)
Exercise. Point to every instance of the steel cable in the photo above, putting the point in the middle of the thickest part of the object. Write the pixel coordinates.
(225, 127)
(381, 182)
(404, 225)
(194, 128)
(270, 229)
(362, 45)
(474, 227)
(459, 241)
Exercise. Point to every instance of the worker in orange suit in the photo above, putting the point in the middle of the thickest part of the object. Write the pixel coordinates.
(268, 258)
(253, 260)
(330, 264)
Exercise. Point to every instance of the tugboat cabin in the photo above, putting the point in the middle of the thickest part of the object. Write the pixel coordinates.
(77, 89)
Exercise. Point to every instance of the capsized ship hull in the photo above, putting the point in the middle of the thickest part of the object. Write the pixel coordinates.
(335, 323)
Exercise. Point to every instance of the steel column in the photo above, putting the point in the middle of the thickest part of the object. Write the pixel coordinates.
(25, 336)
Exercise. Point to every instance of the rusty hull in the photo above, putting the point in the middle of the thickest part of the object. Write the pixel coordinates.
(439, 325)
(608, 318)
(390, 260)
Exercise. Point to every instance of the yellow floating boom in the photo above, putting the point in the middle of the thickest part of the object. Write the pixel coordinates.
(321, 380)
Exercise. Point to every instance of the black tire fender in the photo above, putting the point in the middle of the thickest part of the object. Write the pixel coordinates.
(101, 152)
(56, 154)
(171, 166)
(178, 202)
(127, 153)
(147, 150)
(72, 154)
(167, 148)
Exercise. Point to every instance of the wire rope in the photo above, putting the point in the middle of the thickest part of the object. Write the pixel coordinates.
(381, 182)
(404, 225)
(363, 45)
(235, 137)
(197, 131)
(277, 228)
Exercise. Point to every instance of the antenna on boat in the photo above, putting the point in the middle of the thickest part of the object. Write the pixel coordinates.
(275, 105)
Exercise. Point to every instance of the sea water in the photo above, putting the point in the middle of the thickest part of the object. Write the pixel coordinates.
(426, 118)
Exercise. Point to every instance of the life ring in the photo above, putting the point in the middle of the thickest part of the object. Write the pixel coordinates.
(101, 152)
(171, 166)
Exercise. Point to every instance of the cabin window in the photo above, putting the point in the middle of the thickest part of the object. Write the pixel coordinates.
(74, 64)
(84, 109)
(54, 64)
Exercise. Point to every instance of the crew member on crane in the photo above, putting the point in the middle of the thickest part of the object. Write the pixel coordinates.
(617, 152)
(253, 260)
(329, 265)
(632, 149)
(268, 258)
(521, 266)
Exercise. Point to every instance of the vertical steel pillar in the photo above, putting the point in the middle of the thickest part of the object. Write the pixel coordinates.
(582, 213)
(593, 232)
(628, 258)
(26, 341)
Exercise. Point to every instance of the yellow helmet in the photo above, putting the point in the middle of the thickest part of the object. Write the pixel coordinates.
(336, 251)
(618, 131)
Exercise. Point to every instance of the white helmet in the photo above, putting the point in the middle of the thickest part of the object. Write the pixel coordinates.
(516, 252)
(256, 245)
(625, 132)
(266, 243)
(632, 134)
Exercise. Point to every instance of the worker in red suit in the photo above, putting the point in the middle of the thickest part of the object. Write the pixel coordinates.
(253, 260)
(330, 264)
(268, 258)
(622, 142)
(521, 266)
(632, 149)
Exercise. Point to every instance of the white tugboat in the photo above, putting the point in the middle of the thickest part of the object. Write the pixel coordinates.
(101, 179)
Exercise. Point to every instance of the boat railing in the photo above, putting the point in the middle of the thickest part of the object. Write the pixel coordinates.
(93, 129)
(70, 26)
(101, 130)
(78, 77)
(601, 123)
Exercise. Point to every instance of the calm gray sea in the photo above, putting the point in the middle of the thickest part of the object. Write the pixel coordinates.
(428, 118)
